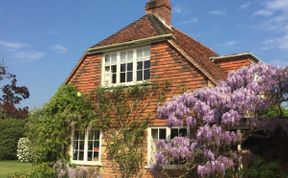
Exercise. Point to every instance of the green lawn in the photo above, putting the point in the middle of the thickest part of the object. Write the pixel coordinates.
(10, 167)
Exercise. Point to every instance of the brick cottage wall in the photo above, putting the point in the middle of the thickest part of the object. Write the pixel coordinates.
(234, 63)
(166, 65)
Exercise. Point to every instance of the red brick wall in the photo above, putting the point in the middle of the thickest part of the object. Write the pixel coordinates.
(166, 65)
(234, 63)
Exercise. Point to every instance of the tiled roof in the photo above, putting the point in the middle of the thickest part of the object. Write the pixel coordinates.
(145, 27)
(200, 53)
(151, 26)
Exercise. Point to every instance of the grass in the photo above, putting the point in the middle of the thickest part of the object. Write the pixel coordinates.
(8, 168)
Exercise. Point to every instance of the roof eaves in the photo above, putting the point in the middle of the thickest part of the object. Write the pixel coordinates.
(75, 68)
(226, 57)
(119, 46)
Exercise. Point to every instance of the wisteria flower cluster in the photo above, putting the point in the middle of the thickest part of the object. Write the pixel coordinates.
(213, 114)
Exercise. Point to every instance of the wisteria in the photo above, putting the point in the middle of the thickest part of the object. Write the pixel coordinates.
(213, 114)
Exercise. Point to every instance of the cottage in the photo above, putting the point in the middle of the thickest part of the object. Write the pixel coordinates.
(150, 48)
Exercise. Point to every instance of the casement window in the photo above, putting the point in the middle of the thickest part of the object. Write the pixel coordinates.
(161, 133)
(86, 146)
(126, 67)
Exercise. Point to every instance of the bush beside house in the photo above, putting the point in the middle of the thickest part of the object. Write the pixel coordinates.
(24, 152)
(11, 130)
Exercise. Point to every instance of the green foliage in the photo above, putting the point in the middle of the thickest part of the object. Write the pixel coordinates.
(118, 112)
(261, 168)
(49, 127)
(11, 130)
(24, 152)
(123, 119)
(43, 170)
(274, 112)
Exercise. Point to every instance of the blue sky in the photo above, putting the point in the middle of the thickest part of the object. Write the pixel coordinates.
(41, 41)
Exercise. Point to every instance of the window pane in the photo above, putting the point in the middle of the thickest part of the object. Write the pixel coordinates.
(97, 135)
(82, 135)
(147, 74)
(75, 154)
(162, 133)
(147, 64)
(174, 133)
(114, 78)
(90, 145)
(107, 59)
(113, 58)
(139, 65)
(96, 156)
(81, 155)
(129, 76)
(122, 77)
(90, 156)
(129, 66)
(130, 55)
(123, 56)
(154, 133)
(146, 52)
(107, 69)
(183, 132)
(96, 144)
(81, 146)
(139, 75)
(75, 145)
(139, 53)
(123, 67)
(114, 69)
(76, 135)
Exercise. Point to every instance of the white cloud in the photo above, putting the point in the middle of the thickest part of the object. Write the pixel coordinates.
(20, 51)
(280, 42)
(12, 45)
(229, 43)
(263, 12)
(180, 9)
(245, 6)
(217, 13)
(59, 49)
(276, 20)
(190, 21)
(277, 4)
(28, 56)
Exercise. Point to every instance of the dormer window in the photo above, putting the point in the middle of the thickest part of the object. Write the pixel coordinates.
(126, 67)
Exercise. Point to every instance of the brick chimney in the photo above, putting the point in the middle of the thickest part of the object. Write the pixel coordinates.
(161, 8)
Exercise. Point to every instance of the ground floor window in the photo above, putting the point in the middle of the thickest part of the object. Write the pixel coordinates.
(86, 146)
(161, 133)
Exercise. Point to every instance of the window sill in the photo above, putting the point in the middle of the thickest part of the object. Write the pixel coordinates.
(143, 83)
(86, 163)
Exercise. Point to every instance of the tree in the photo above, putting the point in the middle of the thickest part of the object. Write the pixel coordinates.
(12, 95)
(214, 116)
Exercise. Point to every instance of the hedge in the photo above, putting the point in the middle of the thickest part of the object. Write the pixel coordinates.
(11, 130)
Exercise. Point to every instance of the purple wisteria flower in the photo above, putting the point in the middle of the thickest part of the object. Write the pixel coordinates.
(211, 113)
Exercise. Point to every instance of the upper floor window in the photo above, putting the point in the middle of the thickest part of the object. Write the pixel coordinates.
(126, 66)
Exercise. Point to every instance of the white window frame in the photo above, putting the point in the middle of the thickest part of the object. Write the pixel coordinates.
(149, 139)
(85, 161)
(118, 65)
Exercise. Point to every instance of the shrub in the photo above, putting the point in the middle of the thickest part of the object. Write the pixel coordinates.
(11, 130)
(24, 153)
(264, 169)
(43, 170)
